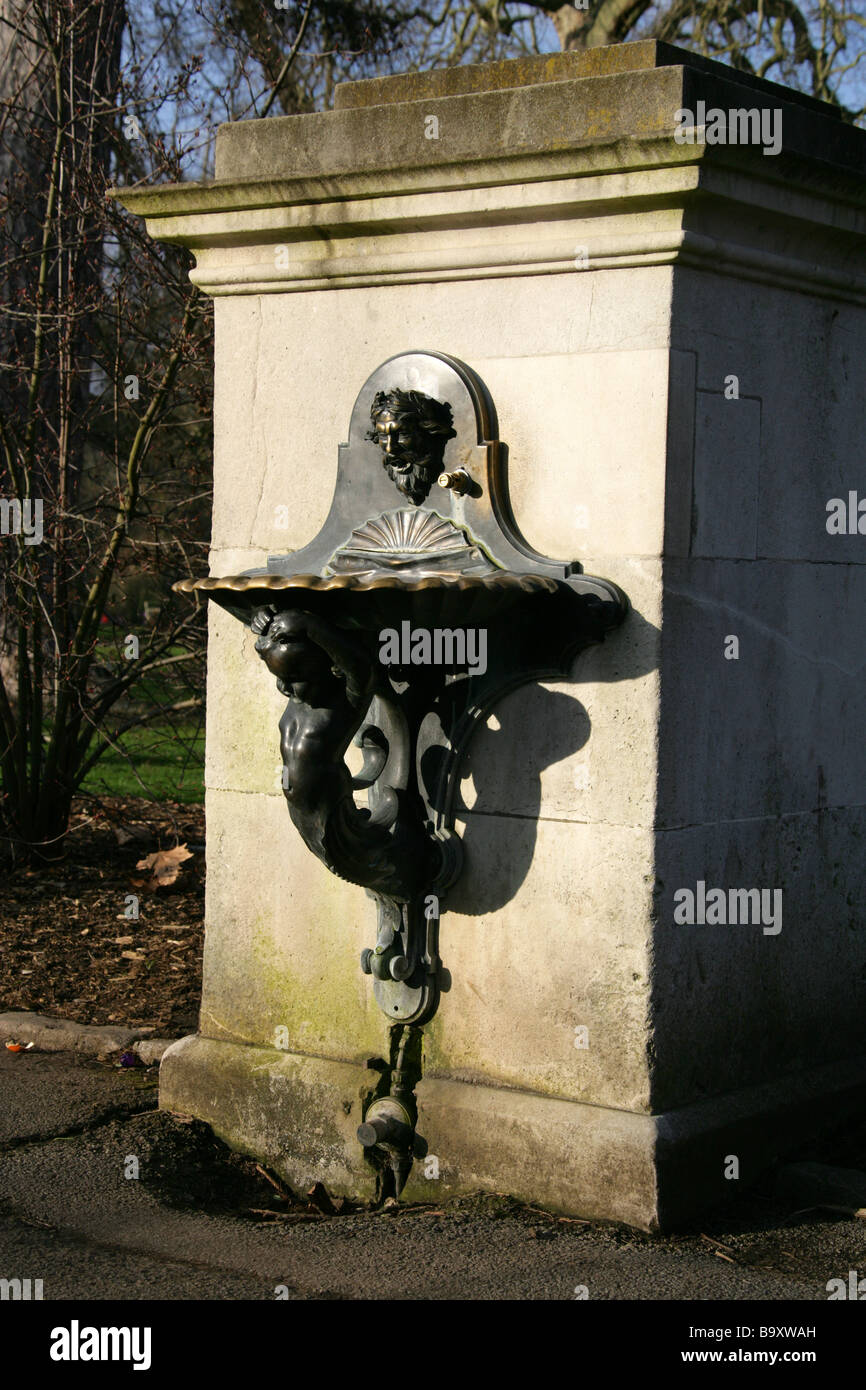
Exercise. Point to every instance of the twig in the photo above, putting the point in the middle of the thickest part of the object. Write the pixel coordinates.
(290, 58)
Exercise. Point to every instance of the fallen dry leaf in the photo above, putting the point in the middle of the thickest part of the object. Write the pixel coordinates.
(74, 978)
(164, 866)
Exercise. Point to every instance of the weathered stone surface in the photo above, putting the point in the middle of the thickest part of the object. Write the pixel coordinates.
(481, 126)
(735, 1005)
(152, 1050)
(524, 976)
(548, 116)
(518, 177)
(61, 1035)
(670, 334)
(514, 72)
(299, 1115)
(603, 61)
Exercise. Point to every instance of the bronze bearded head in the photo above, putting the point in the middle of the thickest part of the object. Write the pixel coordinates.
(412, 430)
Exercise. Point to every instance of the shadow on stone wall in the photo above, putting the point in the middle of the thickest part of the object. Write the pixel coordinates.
(533, 729)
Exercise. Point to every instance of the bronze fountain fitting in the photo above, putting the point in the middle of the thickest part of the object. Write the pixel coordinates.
(387, 558)
(459, 481)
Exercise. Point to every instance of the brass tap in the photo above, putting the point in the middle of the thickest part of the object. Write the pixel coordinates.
(459, 481)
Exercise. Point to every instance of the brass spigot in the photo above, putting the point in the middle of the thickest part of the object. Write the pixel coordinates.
(459, 481)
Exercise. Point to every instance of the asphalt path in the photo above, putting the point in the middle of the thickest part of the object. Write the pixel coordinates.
(71, 1214)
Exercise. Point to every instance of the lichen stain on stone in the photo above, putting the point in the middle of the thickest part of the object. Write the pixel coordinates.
(314, 1015)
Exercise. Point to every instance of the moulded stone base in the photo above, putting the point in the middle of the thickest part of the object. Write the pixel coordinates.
(300, 1114)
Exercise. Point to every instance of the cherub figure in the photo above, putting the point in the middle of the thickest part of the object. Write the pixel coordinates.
(330, 681)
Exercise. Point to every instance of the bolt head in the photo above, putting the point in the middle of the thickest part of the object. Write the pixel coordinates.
(399, 968)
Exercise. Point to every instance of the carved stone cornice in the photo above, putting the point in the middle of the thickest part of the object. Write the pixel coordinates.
(519, 180)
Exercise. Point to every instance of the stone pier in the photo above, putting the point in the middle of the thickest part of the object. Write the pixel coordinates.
(673, 333)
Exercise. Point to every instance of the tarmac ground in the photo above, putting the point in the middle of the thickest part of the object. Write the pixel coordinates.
(104, 1197)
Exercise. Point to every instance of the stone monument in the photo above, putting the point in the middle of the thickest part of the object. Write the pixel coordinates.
(653, 974)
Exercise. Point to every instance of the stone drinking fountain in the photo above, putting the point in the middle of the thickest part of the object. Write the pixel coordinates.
(671, 331)
(414, 610)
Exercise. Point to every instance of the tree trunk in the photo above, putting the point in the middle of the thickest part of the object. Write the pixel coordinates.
(59, 66)
(571, 25)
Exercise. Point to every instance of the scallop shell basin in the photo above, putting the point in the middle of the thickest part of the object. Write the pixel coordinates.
(403, 564)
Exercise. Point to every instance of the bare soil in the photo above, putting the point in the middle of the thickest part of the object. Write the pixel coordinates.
(68, 947)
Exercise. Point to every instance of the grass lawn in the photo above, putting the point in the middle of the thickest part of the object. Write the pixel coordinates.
(158, 763)
(154, 763)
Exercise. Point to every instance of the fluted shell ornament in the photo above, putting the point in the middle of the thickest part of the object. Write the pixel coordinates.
(412, 542)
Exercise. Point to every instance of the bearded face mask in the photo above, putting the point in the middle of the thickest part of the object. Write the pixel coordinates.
(412, 430)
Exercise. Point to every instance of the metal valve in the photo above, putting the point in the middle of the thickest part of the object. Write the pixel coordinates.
(382, 964)
(386, 1130)
(459, 481)
(389, 1127)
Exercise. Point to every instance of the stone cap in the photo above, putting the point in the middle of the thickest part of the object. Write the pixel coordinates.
(607, 61)
(536, 107)
(512, 178)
